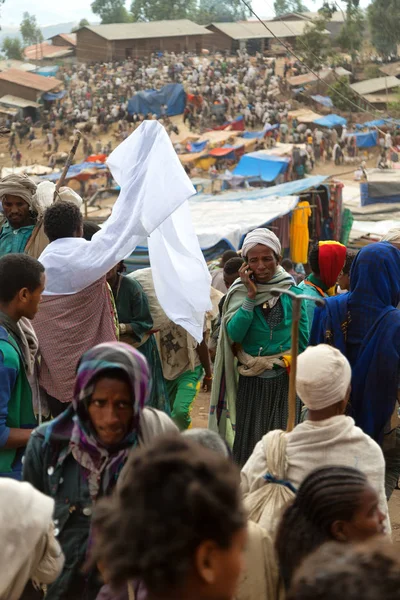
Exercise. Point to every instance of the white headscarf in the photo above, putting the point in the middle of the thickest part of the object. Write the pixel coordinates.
(392, 236)
(261, 236)
(323, 376)
(28, 549)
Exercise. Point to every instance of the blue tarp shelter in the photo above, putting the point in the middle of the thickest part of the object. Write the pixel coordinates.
(253, 135)
(150, 101)
(324, 100)
(368, 139)
(264, 166)
(331, 121)
(50, 97)
(295, 187)
(50, 71)
(368, 124)
(76, 170)
(197, 146)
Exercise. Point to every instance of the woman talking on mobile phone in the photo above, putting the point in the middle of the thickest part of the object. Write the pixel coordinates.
(251, 382)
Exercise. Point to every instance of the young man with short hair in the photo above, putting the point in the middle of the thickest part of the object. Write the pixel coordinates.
(22, 282)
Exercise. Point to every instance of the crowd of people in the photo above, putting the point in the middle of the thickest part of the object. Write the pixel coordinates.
(107, 492)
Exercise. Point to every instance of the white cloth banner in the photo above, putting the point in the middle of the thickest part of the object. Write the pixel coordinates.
(154, 186)
(181, 278)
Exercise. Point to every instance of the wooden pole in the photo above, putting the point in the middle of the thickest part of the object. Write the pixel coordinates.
(68, 162)
(293, 366)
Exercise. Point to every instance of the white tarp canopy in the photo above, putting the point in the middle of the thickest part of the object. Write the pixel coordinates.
(231, 215)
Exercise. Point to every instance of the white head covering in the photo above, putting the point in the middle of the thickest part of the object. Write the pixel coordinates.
(261, 236)
(323, 376)
(25, 522)
(392, 236)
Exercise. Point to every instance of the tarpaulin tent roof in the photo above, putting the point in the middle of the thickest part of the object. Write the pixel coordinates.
(76, 170)
(304, 115)
(50, 97)
(150, 101)
(218, 137)
(368, 124)
(224, 151)
(296, 187)
(253, 135)
(324, 100)
(50, 71)
(235, 125)
(196, 146)
(331, 121)
(368, 139)
(264, 166)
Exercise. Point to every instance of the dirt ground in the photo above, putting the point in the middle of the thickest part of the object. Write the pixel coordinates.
(200, 419)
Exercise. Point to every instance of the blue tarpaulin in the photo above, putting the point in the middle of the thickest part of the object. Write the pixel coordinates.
(258, 164)
(50, 71)
(331, 121)
(76, 170)
(365, 140)
(368, 124)
(253, 135)
(197, 146)
(150, 101)
(296, 187)
(50, 97)
(324, 100)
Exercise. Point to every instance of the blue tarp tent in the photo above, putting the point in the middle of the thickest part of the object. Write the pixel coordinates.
(150, 101)
(324, 100)
(50, 71)
(49, 96)
(296, 187)
(331, 121)
(197, 146)
(253, 135)
(368, 124)
(265, 166)
(75, 170)
(365, 140)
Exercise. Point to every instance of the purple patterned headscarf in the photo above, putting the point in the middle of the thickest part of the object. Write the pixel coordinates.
(102, 465)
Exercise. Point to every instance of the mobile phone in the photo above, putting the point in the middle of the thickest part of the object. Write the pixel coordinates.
(252, 277)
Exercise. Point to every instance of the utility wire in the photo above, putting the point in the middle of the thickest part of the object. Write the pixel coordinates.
(290, 51)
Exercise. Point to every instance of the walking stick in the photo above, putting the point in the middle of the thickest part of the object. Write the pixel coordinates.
(296, 303)
(68, 162)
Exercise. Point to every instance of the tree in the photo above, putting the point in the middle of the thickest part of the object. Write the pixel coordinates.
(111, 11)
(210, 11)
(314, 45)
(384, 23)
(281, 7)
(351, 36)
(82, 23)
(163, 10)
(12, 48)
(342, 95)
(30, 30)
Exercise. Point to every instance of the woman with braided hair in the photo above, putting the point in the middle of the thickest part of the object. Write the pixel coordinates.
(333, 503)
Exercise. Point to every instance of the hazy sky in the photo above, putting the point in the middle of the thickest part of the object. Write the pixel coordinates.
(51, 12)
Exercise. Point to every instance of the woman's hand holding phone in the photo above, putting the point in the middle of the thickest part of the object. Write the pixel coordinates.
(247, 277)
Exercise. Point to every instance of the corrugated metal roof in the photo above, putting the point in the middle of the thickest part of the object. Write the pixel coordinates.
(46, 50)
(378, 84)
(16, 64)
(154, 29)
(250, 30)
(30, 80)
(18, 102)
(68, 37)
(391, 69)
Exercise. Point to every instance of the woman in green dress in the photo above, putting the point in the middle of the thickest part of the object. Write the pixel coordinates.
(135, 328)
(251, 382)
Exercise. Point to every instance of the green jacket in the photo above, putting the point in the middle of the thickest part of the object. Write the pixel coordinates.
(249, 328)
(72, 513)
(312, 291)
(16, 409)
